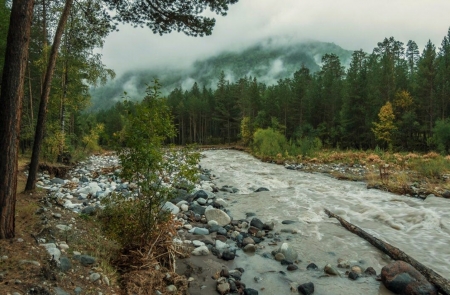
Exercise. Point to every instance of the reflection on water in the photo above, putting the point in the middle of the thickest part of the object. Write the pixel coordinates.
(419, 228)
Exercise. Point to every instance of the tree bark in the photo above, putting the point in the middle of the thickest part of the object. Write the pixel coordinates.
(442, 284)
(11, 99)
(40, 125)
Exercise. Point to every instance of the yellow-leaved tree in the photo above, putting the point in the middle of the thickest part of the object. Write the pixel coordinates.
(384, 129)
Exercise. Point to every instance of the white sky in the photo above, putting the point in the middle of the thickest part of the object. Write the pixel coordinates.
(351, 24)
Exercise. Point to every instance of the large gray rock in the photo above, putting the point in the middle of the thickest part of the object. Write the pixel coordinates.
(168, 206)
(288, 252)
(218, 215)
(401, 278)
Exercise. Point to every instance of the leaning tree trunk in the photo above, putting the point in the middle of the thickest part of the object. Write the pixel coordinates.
(40, 125)
(11, 99)
(442, 284)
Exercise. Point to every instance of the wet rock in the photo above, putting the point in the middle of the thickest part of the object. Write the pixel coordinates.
(306, 289)
(200, 194)
(228, 255)
(268, 226)
(250, 291)
(262, 189)
(370, 271)
(288, 222)
(292, 267)
(401, 278)
(288, 252)
(253, 230)
(353, 275)
(250, 248)
(446, 194)
(356, 269)
(257, 223)
(312, 266)
(279, 257)
(328, 269)
(248, 240)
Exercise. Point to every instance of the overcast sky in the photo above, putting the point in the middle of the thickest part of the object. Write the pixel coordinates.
(351, 24)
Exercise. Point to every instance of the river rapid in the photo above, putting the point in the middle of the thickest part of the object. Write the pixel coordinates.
(419, 228)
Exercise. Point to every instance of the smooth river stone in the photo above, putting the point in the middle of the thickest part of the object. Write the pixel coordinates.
(218, 215)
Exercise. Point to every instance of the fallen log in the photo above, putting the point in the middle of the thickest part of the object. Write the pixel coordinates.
(441, 283)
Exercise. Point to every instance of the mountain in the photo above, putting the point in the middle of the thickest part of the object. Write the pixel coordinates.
(267, 61)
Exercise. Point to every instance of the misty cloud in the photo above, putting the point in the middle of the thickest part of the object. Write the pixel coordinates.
(352, 24)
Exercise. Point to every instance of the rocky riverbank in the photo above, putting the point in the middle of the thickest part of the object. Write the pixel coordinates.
(60, 251)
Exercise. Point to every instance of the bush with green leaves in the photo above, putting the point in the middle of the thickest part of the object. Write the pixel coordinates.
(269, 142)
(156, 169)
(441, 136)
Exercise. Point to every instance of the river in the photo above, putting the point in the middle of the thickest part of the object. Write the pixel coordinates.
(419, 228)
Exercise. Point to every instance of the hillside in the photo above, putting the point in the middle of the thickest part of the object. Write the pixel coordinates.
(267, 61)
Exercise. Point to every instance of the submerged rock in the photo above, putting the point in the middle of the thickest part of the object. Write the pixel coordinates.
(401, 278)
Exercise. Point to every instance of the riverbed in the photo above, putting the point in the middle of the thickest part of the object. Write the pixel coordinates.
(420, 228)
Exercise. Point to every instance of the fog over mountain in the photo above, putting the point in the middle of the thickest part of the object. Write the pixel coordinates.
(267, 61)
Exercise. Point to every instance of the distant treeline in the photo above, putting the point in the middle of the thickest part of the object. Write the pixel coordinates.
(395, 97)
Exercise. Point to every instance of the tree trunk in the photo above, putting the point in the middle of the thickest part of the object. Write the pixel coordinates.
(40, 125)
(11, 99)
(442, 284)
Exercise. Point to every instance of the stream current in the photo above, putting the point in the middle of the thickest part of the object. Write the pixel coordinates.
(419, 228)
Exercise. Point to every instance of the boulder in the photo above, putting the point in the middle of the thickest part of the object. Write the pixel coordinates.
(168, 206)
(401, 278)
(218, 215)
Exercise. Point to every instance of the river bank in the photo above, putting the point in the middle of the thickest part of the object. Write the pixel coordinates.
(229, 183)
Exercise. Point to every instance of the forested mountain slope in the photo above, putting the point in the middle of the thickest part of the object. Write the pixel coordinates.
(267, 61)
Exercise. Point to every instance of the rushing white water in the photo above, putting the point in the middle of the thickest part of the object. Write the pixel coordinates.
(419, 228)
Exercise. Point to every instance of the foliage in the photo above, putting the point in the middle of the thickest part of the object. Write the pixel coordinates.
(441, 136)
(307, 146)
(430, 168)
(90, 140)
(384, 129)
(246, 134)
(268, 142)
(156, 170)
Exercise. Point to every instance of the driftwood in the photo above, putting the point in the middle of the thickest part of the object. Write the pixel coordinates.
(442, 284)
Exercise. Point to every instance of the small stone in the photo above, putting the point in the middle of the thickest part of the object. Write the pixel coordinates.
(87, 260)
(257, 223)
(56, 215)
(306, 289)
(20, 240)
(65, 264)
(78, 291)
(200, 251)
(279, 257)
(312, 266)
(356, 269)
(292, 267)
(171, 289)
(370, 271)
(94, 277)
(228, 255)
(328, 269)
(353, 275)
(105, 280)
(250, 291)
(250, 248)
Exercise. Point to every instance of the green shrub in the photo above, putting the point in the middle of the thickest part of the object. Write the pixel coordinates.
(308, 146)
(155, 168)
(441, 136)
(431, 168)
(268, 142)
